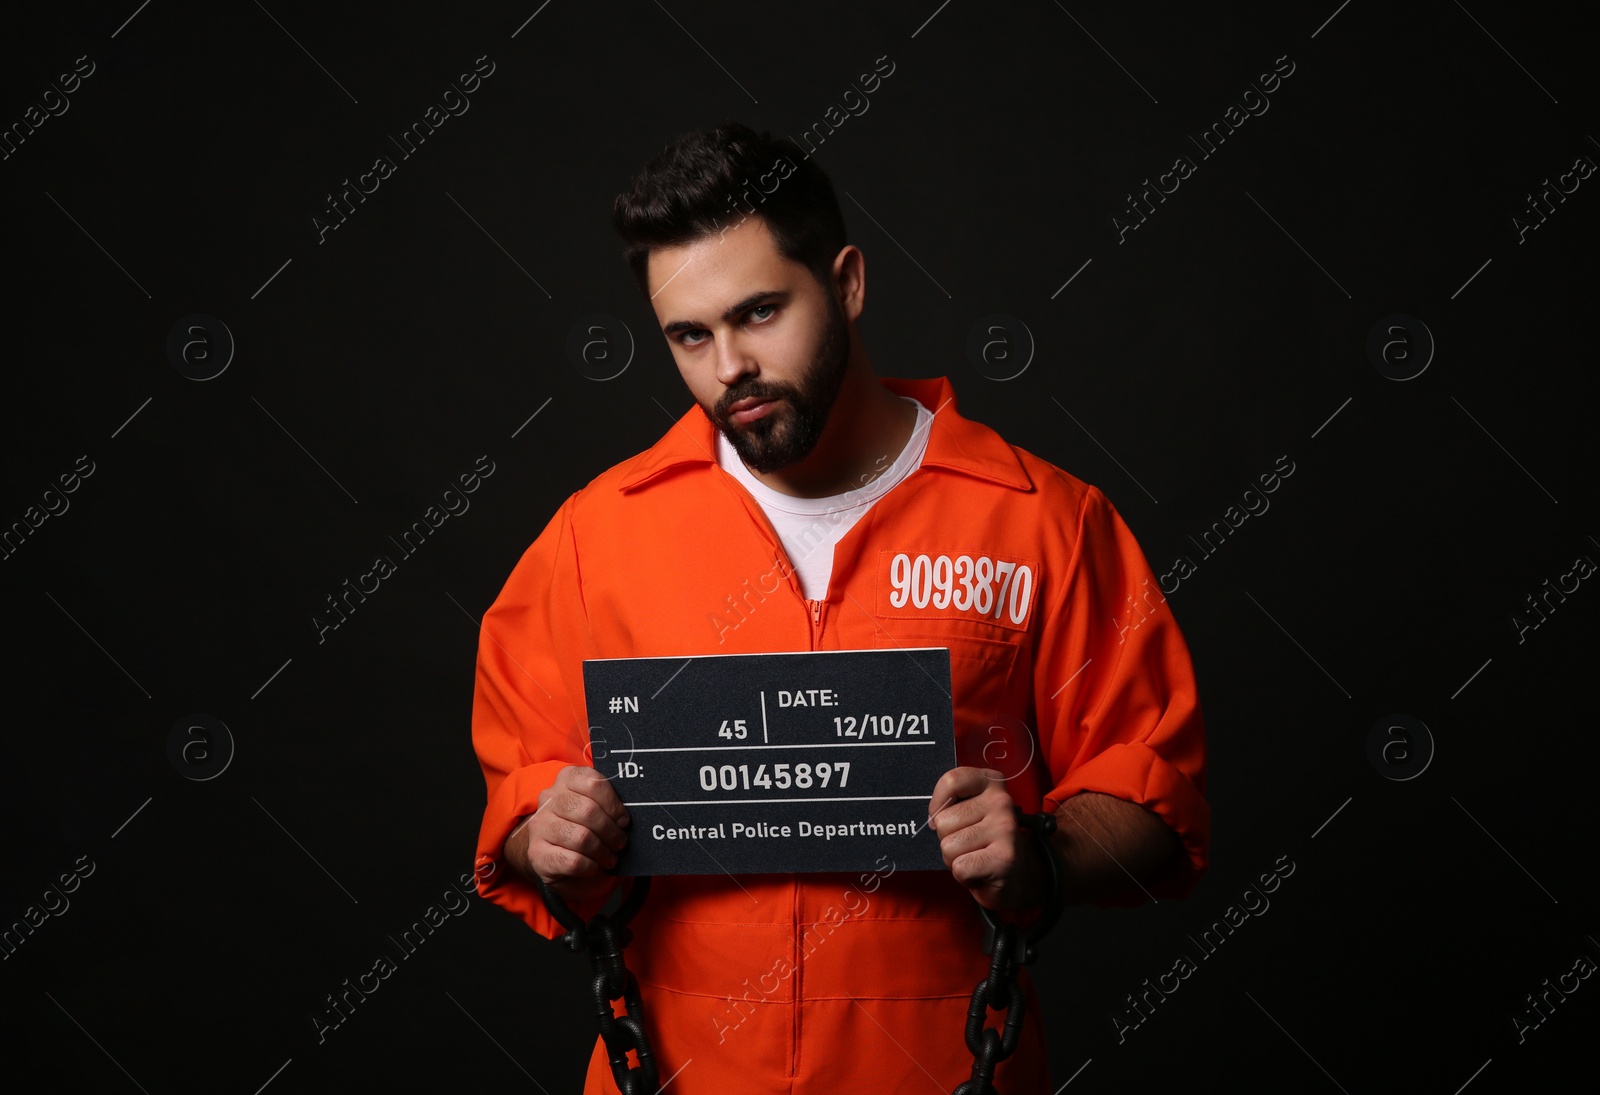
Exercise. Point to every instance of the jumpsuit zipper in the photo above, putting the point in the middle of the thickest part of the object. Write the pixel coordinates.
(799, 974)
(799, 957)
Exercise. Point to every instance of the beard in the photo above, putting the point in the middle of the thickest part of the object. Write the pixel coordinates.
(787, 435)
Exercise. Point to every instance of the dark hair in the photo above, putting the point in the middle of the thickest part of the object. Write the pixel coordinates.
(704, 182)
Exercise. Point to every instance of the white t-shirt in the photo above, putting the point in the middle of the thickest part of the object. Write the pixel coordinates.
(808, 528)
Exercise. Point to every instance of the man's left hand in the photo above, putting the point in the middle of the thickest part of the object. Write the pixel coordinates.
(983, 844)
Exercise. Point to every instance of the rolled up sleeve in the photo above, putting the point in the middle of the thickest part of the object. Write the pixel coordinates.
(528, 720)
(1128, 722)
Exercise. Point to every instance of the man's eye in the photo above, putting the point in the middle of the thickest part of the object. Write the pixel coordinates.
(690, 338)
(756, 312)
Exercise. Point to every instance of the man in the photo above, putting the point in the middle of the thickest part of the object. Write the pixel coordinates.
(804, 503)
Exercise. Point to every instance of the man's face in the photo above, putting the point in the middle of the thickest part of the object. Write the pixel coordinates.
(762, 345)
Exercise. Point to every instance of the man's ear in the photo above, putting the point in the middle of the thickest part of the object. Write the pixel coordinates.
(850, 281)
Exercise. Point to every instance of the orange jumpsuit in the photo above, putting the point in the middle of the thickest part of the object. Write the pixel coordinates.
(1076, 678)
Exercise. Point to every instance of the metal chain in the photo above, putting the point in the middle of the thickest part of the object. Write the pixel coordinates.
(605, 936)
(1009, 949)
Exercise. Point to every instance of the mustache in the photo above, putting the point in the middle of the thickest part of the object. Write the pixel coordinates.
(753, 389)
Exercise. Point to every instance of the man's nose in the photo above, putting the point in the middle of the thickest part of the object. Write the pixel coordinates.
(734, 360)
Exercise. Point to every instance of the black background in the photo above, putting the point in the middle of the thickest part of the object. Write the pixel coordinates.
(378, 365)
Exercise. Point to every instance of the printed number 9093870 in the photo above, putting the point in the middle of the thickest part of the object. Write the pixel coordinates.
(983, 585)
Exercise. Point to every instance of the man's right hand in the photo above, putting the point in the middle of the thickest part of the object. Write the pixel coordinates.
(574, 837)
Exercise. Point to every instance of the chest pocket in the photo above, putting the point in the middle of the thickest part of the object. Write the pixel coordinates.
(984, 679)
